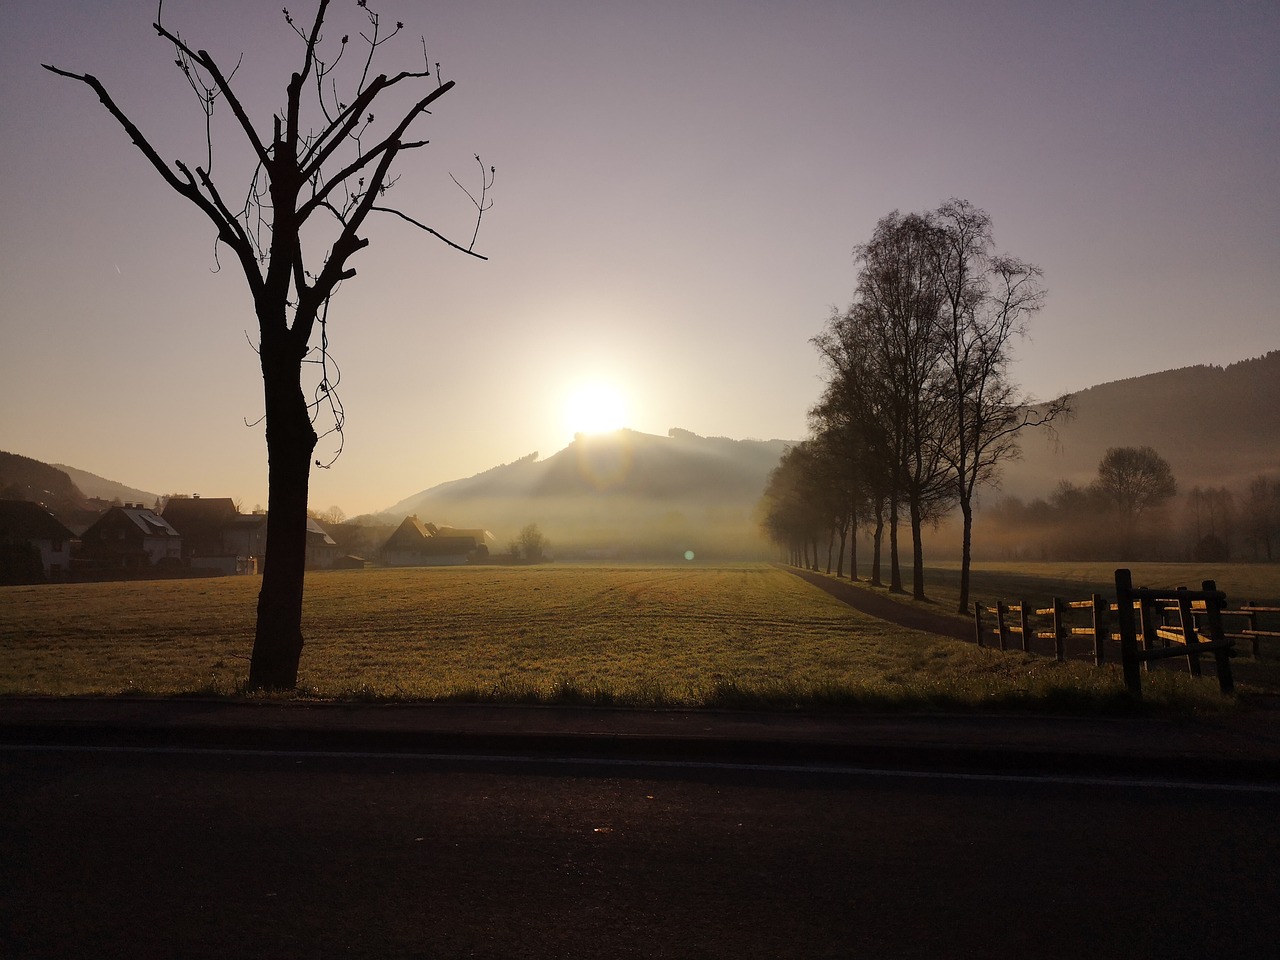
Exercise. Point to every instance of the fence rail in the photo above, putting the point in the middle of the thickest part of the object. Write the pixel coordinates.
(1150, 625)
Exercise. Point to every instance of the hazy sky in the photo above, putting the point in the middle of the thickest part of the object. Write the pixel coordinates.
(679, 188)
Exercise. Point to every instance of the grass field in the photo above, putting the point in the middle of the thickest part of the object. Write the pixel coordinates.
(1038, 582)
(747, 635)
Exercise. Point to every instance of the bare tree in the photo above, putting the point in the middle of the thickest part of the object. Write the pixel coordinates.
(323, 170)
(899, 303)
(850, 418)
(1134, 480)
(791, 513)
(987, 299)
(1262, 516)
(533, 543)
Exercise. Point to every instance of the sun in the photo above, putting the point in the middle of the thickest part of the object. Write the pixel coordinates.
(595, 407)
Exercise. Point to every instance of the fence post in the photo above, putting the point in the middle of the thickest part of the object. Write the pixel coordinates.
(1147, 622)
(1099, 630)
(1213, 608)
(1024, 618)
(977, 620)
(1001, 626)
(1190, 637)
(1252, 621)
(1128, 636)
(1059, 629)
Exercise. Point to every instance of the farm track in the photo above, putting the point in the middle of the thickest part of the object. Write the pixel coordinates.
(868, 602)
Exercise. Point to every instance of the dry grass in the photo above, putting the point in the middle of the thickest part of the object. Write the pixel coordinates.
(692, 635)
(1038, 582)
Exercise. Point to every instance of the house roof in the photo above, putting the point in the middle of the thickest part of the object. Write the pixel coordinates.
(24, 520)
(411, 533)
(479, 536)
(316, 534)
(199, 511)
(149, 522)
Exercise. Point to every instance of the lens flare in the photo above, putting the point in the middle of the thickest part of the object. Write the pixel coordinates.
(595, 407)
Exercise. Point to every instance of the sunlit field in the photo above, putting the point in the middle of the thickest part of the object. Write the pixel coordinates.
(746, 635)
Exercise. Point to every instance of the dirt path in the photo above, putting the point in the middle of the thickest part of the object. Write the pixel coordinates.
(881, 607)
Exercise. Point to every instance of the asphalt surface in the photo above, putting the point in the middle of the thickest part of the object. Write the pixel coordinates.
(1243, 747)
(157, 828)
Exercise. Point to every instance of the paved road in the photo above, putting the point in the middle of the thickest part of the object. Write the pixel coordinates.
(290, 854)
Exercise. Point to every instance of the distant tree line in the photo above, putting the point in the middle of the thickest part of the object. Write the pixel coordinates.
(918, 410)
(1120, 516)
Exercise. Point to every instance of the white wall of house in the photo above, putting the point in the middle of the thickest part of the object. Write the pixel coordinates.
(158, 548)
(55, 557)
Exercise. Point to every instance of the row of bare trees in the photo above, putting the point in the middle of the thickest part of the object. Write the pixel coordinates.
(918, 410)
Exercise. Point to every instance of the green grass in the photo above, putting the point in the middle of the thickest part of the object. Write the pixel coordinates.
(741, 635)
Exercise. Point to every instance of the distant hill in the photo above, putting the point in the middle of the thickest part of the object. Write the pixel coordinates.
(635, 492)
(618, 494)
(1217, 426)
(22, 478)
(103, 489)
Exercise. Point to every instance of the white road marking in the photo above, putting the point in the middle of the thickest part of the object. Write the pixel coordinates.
(723, 766)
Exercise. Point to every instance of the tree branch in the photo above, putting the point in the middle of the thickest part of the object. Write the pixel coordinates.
(188, 188)
(435, 233)
(202, 58)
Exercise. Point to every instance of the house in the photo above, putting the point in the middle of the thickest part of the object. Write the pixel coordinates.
(245, 538)
(216, 535)
(418, 544)
(483, 542)
(131, 537)
(322, 550)
(34, 545)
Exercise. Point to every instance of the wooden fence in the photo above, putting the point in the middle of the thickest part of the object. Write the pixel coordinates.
(1150, 625)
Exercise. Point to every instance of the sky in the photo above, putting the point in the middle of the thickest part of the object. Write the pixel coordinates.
(679, 188)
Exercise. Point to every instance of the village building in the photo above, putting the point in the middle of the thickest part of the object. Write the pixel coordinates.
(322, 550)
(245, 538)
(34, 544)
(216, 536)
(418, 544)
(130, 538)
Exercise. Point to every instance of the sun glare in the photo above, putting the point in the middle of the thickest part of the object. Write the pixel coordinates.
(594, 408)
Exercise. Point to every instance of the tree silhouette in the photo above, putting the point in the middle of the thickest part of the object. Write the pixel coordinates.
(918, 401)
(1134, 480)
(324, 169)
(533, 543)
(987, 299)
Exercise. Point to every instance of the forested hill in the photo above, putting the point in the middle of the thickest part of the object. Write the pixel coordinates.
(1217, 426)
(104, 489)
(22, 478)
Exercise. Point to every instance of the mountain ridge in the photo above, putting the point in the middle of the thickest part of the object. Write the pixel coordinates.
(1217, 426)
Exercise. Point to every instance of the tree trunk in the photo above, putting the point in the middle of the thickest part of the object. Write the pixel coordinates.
(853, 545)
(895, 566)
(966, 554)
(877, 546)
(277, 643)
(917, 552)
